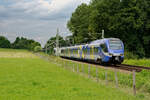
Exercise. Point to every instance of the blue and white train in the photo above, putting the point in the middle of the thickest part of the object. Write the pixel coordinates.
(107, 50)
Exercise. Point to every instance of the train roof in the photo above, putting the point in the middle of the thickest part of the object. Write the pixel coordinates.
(103, 40)
(95, 43)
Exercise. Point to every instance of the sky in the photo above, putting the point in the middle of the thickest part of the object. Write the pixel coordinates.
(36, 19)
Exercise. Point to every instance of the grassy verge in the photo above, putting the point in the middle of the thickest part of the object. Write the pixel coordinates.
(37, 79)
(124, 79)
(140, 62)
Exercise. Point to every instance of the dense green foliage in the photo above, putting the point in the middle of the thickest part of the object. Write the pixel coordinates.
(24, 43)
(51, 44)
(36, 79)
(4, 42)
(130, 55)
(128, 20)
(19, 43)
(37, 49)
(138, 62)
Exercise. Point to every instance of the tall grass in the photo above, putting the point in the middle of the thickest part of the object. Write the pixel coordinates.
(124, 78)
(140, 62)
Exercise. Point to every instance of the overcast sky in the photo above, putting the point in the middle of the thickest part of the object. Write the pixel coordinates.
(36, 19)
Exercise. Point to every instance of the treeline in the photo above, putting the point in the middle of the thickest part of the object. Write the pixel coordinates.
(19, 43)
(51, 43)
(128, 20)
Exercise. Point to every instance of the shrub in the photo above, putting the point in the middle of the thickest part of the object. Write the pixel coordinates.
(130, 55)
(37, 49)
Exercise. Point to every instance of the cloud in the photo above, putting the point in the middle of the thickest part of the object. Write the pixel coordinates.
(36, 19)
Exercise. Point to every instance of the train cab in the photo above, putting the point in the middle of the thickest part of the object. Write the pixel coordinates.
(112, 51)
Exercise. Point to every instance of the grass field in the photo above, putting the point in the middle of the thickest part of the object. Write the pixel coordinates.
(124, 78)
(11, 53)
(140, 62)
(26, 78)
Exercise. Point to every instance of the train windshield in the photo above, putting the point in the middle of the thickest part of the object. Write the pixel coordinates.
(115, 44)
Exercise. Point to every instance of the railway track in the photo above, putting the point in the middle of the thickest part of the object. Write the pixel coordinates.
(120, 67)
(128, 67)
(133, 66)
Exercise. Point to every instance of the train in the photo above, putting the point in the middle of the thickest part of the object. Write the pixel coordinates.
(102, 51)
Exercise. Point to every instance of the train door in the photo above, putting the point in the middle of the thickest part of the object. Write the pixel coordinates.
(80, 52)
(73, 53)
(96, 53)
(88, 52)
(104, 50)
(69, 52)
(92, 52)
(76, 52)
(85, 53)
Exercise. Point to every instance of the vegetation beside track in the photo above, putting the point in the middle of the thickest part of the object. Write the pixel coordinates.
(124, 79)
(138, 62)
(36, 79)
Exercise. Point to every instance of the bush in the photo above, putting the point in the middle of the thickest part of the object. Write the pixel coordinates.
(130, 55)
(37, 49)
(4, 42)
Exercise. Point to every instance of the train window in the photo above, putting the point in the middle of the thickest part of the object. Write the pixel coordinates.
(104, 47)
(91, 51)
(71, 51)
(68, 51)
(84, 51)
(95, 50)
(74, 51)
(115, 44)
(65, 51)
(62, 51)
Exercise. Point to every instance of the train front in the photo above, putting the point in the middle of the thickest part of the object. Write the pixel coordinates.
(115, 51)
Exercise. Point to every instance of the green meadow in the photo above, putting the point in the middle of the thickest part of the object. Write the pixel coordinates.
(28, 77)
(140, 62)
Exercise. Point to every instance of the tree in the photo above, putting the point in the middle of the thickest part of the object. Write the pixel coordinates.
(37, 49)
(51, 44)
(4, 42)
(128, 20)
(24, 43)
(79, 22)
